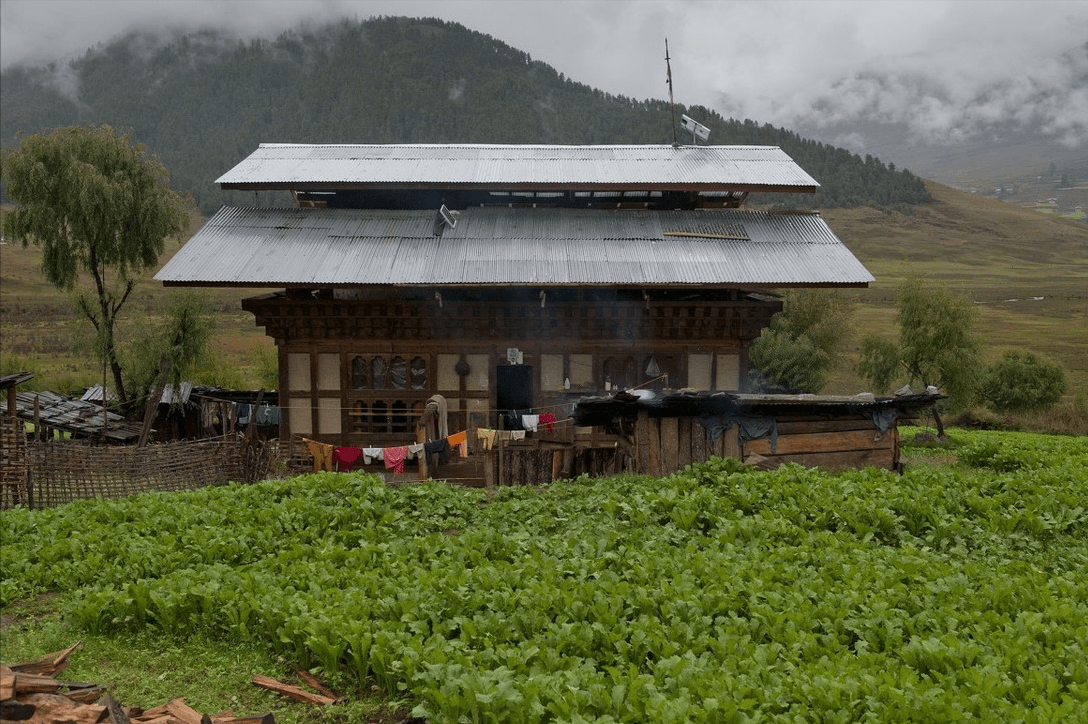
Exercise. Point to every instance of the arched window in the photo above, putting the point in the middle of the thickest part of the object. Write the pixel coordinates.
(400, 416)
(398, 373)
(380, 417)
(359, 369)
(419, 373)
(359, 422)
(377, 366)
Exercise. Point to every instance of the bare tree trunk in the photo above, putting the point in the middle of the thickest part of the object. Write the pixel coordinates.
(153, 398)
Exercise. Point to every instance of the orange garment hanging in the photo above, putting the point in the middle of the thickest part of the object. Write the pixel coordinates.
(459, 441)
(322, 454)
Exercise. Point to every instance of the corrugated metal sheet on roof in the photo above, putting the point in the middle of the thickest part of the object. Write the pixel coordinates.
(706, 167)
(64, 413)
(245, 246)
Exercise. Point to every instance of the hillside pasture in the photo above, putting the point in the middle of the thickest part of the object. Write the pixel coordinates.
(1026, 273)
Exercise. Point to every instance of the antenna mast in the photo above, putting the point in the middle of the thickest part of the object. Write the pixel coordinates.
(672, 109)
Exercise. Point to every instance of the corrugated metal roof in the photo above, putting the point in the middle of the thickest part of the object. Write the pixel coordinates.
(78, 416)
(245, 246)
(95, 393)
(301, 166)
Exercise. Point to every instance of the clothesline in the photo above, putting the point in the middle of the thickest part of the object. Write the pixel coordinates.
(336, 457)
(347, 457)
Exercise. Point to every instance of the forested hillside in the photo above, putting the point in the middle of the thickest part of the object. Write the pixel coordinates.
(204, 101)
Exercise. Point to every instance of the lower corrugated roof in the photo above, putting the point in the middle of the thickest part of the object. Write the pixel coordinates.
(245, 246)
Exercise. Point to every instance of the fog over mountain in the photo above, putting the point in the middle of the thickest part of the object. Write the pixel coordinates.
(916, 82)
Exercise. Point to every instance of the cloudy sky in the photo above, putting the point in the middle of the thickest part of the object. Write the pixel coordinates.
(940, 67)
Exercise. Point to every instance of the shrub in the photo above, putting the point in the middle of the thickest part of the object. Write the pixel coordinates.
(1022, 382)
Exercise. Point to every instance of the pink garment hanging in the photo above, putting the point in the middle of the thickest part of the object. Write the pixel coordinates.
(548, 420)
(395, 457)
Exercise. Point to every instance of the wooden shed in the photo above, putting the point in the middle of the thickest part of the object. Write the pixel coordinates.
(664, 433)
(507, 279)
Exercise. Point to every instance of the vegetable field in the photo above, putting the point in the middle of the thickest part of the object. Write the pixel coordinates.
(719, 594)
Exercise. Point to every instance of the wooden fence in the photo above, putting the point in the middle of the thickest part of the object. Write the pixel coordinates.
(13, 461)
(60, 472)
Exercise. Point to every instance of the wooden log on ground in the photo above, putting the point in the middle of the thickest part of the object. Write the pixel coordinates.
(255, 719)
(161, 719)
(34, 683)
(48, 665)
(116, 715)
(293, 692)
(184, 713)
(315, 683)
(7, 683)
(47, 708)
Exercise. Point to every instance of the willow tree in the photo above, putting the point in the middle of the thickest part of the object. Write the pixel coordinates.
(95, 204)
(937, 345)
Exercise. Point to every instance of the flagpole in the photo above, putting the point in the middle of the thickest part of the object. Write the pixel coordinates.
(672, 109)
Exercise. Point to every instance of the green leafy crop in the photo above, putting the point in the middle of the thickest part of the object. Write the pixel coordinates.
(718, 594)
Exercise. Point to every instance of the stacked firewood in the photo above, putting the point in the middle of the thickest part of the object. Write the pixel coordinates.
(31, 693)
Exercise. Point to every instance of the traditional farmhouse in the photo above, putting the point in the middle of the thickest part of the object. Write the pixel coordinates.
(507, 279)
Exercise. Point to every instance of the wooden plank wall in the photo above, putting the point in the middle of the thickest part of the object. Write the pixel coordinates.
(667, 444)
(830, 444)
(664, 445)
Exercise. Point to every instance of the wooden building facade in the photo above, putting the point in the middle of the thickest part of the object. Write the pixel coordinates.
(507, 278)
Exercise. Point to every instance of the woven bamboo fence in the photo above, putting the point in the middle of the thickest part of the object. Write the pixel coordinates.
(64, 471)
(13, 462)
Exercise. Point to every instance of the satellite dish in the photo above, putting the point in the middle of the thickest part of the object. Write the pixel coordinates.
(696, 128)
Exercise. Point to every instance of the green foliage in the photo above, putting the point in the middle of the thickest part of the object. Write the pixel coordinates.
(804, 338)
(880, 362)
(180, 343)
(267, 365)
(92, 201)
(719, 593)
(1022, 382)
(936, 346)
(789, 364)
(205, 100)
(96, 204)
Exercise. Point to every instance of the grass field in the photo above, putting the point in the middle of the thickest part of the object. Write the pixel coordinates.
(1026, 272)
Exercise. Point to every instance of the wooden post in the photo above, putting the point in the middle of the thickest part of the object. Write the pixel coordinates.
(38, 418)
(670, 445)
(684, 425)
(698, 443)
(151, 405)
(654, 428)
(642, 442)
(501, 453)
(730, 443)
(423, 425)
